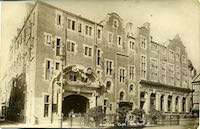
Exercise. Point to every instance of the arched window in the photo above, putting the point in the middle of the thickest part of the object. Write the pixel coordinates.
(152, 101)
(121, 95)
(176, 104)
(131, 88)
(162, 103)
(169, 103)
(108, 85)
(183, 104)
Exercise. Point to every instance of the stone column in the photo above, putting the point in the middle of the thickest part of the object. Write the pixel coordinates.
(147, 102)
(158, 95)
(173, 103)
(166, 103)
(180, 108)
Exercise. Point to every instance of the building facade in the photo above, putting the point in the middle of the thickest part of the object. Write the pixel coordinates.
(92, 57)
(195, 95)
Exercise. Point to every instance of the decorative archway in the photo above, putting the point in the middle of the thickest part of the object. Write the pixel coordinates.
(81, 85)
(152, 101)
(75, 104)
(169, 104)
(177, 104)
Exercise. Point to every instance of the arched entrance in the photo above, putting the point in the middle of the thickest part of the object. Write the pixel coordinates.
(75, 104)
(152, 101)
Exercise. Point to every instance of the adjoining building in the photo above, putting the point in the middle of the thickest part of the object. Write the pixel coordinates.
(195, 95)
(131, 66)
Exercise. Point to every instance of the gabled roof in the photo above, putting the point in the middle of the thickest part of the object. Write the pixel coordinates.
(177, 37)
(196, 79)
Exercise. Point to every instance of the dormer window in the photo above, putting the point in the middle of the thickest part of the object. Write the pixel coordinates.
(115, 23)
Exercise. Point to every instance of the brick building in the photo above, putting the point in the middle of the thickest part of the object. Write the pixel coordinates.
(131, 66)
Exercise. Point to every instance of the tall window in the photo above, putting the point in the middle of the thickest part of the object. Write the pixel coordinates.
(71, 24)
(46, 105)
(71, 46)
(131, 45)
(184, 59)
(98, 34)
(80, 27)
(105, 105)
(88, 30)
(58, 19)
(153, 101)
(88, 51)
(109, 67)
(143, 66)
(163, 50)
(163, 72)
(98, 57)
(171, 74)
(169, 105)
(131, 72)
(110, 37)
(171, 55)
(119, 40)
(121, 95)
(176, 104)
(58, 46)
(57, 66)
(154, 69)
(143, 42)
(115, 23)
(131, 88)
(183, 104)
(178, 76)
(108, 85)
(47, 70)
(47, 38)
(184, 78)
(162, 103)
(122, 75)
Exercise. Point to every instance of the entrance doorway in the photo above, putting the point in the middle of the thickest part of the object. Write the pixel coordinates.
(75, 104)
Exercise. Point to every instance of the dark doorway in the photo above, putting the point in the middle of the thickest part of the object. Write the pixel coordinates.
(75, 104)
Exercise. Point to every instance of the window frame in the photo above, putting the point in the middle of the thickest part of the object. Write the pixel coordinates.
(70, 24)
(108, 38)
(145, 67)
(122, 74)
(58, 46)
(130, 72)
(111, 68)
(47, 70)
(152, 72)
(117, 23)
(86, 53)
(69, 46)
(48, 105)
(119, 41)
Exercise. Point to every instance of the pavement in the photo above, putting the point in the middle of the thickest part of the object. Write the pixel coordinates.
(183, 125)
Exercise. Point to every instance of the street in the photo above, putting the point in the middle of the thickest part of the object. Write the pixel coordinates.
(187, 124)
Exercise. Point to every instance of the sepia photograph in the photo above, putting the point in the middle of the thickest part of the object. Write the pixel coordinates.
(124, 64)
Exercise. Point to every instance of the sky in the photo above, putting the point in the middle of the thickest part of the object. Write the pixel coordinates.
(167, 18)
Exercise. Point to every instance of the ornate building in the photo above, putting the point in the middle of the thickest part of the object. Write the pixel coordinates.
(131, 66)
